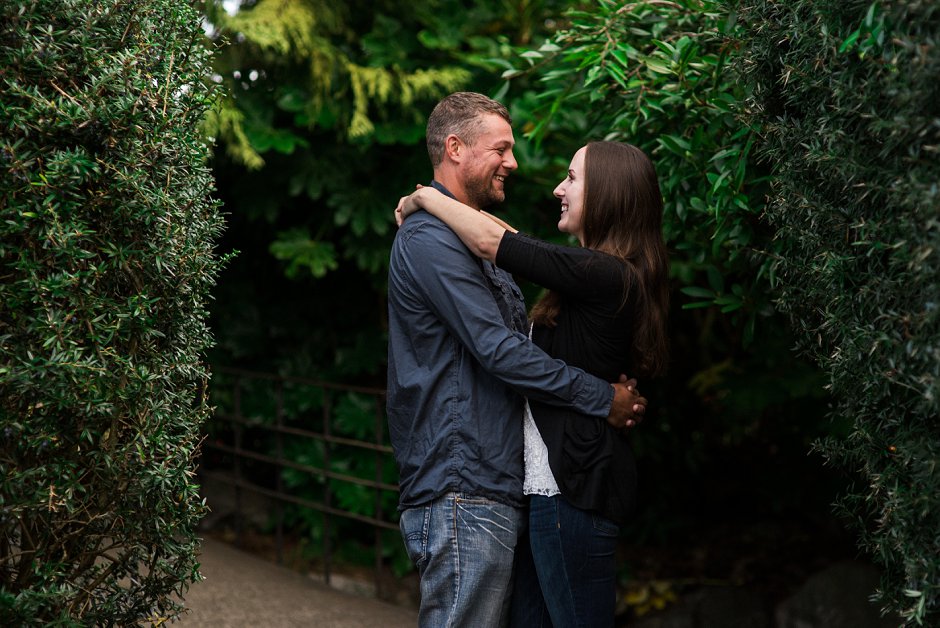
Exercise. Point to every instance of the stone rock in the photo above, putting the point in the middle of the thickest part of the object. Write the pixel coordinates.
(728, 607)
(836, 597)
(712, 607)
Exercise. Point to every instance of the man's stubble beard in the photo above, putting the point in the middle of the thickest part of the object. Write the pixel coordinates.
(481, 194)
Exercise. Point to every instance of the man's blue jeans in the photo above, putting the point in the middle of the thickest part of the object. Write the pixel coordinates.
(565, 567)
(463, 547)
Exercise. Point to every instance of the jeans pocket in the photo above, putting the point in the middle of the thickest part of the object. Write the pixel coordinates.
(604, 526)
(414, 530)
(489, 527)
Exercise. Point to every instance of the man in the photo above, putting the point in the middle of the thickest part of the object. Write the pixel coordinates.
(459, 363)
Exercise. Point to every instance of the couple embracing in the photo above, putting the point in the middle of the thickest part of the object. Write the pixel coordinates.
(511, 429)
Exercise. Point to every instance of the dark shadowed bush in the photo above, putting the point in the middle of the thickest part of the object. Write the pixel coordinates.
(848, 98)
(106, 231)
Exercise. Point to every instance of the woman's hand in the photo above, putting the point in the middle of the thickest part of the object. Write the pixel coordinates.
(408, 205)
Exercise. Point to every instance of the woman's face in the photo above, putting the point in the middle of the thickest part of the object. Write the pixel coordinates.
(571, 194)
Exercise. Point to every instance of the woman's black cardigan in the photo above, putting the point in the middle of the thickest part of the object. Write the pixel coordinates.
(592, 462)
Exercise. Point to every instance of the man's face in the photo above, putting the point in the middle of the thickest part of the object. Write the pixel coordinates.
(491, 161)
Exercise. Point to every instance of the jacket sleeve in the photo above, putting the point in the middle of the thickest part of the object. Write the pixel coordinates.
(440, 271)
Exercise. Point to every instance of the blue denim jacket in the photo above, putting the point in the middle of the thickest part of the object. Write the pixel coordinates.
(458, 360)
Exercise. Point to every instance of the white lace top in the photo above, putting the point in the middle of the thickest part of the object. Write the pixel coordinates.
(538, 475)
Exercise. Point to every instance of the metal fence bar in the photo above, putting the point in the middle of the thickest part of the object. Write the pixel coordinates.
(293, 431)
(247, 432)
(333, 475)
(313, 383)
(379, 424)
(239, 538)
(306, 503)
(328, 497)
(279, 482)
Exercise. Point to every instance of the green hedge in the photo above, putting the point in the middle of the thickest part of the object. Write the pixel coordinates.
(106, 262)
(847, 97)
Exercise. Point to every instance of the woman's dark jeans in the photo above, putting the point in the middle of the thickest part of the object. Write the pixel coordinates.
(565, 567)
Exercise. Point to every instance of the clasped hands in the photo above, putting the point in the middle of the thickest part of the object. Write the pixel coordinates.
(628, 407)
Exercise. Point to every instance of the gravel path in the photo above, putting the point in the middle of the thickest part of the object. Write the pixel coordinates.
(243, 590)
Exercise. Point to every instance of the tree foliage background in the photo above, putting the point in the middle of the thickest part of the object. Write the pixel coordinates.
(324, 131)
(106, 259)
(847, 101)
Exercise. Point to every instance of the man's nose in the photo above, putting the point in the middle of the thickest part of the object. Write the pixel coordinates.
(509, 160)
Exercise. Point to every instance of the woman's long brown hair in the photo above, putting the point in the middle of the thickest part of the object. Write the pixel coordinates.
(623, 217)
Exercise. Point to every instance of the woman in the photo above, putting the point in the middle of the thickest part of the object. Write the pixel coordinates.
(605, 312)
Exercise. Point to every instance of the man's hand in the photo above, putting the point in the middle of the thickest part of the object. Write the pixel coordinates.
(628, 407)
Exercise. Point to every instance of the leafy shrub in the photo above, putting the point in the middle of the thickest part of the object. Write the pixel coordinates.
(848, 101)
(106, 258)
(655, 75)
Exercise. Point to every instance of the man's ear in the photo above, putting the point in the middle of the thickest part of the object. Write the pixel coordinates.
(454, 148)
